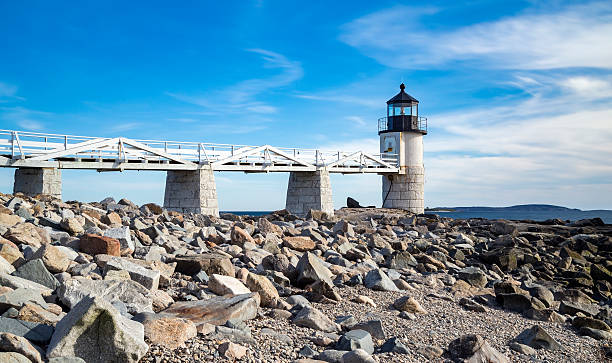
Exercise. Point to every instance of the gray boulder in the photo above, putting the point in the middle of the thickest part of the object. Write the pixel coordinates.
(356, 339)
(312, 318)
(474, 276)
(36, 271)
(473, 348)
(311, 269)
(15, 282)
(217, 310)
(377, 280)
(400, 260)
(537, 337)
(331, 355)
(374, 327)
(135, 296)
(123, 235)
(357, 356)
(595, 333)
(19, 297)
(144, 276)
(95, 331)
(394, 345)
(34, 332)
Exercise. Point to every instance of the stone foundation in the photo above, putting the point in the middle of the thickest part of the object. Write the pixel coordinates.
(407, 190)
(34, 181)
(309, 190)
(191, 192)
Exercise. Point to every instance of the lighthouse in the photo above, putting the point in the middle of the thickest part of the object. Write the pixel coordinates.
(401, 139)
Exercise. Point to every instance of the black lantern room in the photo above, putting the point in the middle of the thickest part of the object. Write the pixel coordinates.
(402, 115)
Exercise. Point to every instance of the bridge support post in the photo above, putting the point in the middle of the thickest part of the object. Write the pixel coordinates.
(407, 190)
(309, 190)
(34, 181)
(191, 191)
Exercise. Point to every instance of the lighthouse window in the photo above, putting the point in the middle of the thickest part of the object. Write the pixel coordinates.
(389, 145)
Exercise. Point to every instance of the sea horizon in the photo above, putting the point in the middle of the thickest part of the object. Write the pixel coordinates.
(535, 212)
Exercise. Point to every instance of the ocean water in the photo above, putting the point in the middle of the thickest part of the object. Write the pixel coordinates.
(501, 213)
(532, 215)
(247, 213)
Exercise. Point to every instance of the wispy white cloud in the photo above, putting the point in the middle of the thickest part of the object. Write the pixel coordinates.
(335, 96)
(357, 121)
(243, 96)
(183, 119)
(31, 125)
(8, 93)
(552, 146)
(24, 118)
(126, 126)
(576, 36)
(588, 87)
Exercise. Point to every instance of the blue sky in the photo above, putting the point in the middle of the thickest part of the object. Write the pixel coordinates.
(518, 95)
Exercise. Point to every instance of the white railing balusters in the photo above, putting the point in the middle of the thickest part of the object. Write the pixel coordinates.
(37, 145)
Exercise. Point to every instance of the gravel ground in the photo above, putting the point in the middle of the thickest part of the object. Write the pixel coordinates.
(279, 340)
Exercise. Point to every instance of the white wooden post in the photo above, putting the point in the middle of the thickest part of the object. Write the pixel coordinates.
(13, 145)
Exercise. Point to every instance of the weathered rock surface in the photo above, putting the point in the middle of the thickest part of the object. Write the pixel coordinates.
(474, 349)
(13, 343)
(35, 271)
(135, 296)
(144, 276)
(378, 280)
(311, 269)
(315, 319)
(216, 310)
(356, 339)
(95, 331)
(34, 332)
(301, 244)
(409, 305)
(169, 331)
(211, 263)
(16, 282)
(537, 337)
(456, 277)
(262, 285)
(95, 245)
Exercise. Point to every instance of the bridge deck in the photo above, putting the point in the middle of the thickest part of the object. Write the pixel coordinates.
(38, 150)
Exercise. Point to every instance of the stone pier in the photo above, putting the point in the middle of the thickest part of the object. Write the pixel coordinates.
(190, 191)
(407, 190)
(33, 181)
(309, 190)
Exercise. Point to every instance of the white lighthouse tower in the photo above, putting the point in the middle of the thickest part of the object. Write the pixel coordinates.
(401, 137)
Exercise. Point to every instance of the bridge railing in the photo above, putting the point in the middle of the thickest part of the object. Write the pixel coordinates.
(24, 144)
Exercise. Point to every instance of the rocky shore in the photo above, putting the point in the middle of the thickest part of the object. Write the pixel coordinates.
(115, 282)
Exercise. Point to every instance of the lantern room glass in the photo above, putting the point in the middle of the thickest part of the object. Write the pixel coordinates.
(406, 109)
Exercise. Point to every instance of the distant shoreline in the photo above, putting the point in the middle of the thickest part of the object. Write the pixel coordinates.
(535, 212)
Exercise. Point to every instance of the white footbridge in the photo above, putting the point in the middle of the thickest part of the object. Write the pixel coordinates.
(38, 159)
(21, 149)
